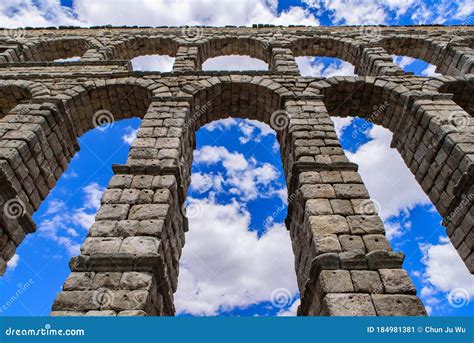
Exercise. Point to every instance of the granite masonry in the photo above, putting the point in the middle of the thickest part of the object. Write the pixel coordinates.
(128, 265)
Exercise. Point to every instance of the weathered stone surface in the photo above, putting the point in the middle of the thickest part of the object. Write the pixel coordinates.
(397, 281)
(398, 305)
(349, 304)
(366, 281)
(137, 238)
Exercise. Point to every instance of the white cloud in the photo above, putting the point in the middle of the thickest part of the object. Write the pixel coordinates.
(366, 12)
(314, 66)
(396, 229)
(251, 130)
(352, 12)
(130, 135)
(202, 183)
(386, 176)
(63, 224)
(13, 263)
(93, 194)
(340, 124)
(430, 70)
(222, 124)
(402, 61)
(215, 154)
(70, 59)
(55, 206)
(247, 179)
(224, 265)
(20, 13)
(445, 276)
(445, 269)
(159, 63)
(234, 63)
(182, 12)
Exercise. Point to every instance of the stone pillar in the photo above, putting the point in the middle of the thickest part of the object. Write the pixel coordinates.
(283, 61)
(375, 61)
(129, 262)
(435, 138)
(187, 59)
(35, 148)
(345, 266)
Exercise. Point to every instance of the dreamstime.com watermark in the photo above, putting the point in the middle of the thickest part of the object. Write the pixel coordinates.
(466, 200)
(22, 288)
(44, 331)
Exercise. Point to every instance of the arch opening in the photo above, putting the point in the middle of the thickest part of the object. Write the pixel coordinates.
(215, 52)
(415, 66)
(412, 224)
(56, 49)
(63, 220)
(234, 63)
(332, 53)
(415, 48)
(237, 251)
(161, 63)
(324, 66)
(46, 150)
(98, 106)
(427, 155)
(136, 46)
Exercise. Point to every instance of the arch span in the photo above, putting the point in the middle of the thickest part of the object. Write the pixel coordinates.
(42, 138)
(434, 148)
(322, 185)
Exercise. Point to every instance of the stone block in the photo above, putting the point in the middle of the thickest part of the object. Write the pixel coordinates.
(347, 304)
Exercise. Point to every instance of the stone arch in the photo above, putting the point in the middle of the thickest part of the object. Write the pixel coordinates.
(366, 59)
(327, 46)
(435, 150)
(119, 98)
(463, 93)
(47, 50)
(224, 90)
(13, 92)
(133, 46)
(40, 138)
(419, 47)
(227, 46)
(450, 58)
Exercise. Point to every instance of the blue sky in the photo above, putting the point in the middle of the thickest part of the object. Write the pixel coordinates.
(238, 254)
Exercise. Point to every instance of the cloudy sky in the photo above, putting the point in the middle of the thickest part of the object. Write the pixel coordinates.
(238, 255)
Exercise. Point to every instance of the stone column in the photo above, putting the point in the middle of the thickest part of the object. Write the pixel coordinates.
(435, 138)
(375, 61)
(283, 61)
(35, 148)
(129, 262)
(187, 59)
(345, 266)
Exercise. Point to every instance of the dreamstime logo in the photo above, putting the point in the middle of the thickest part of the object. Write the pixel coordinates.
(14, 208)
(370, 207)
(103, 297)
(372, 31)
(459, 120)
(281, 297)
(193, 210)
(103, 120)
(458, 297)
(279, 120)
(192, 31)
(14, 33)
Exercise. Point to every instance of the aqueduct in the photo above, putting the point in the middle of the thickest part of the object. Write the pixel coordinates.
(344, 263)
